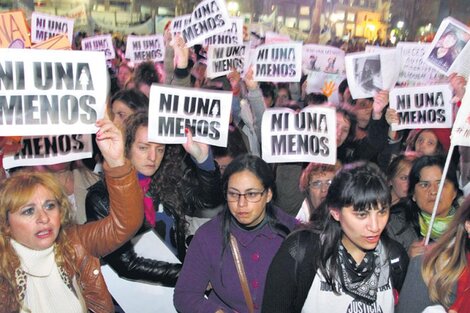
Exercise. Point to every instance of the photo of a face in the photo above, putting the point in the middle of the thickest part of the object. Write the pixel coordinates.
(448, 47)
(368, 74)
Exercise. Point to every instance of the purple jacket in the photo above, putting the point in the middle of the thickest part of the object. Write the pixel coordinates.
(203, 265)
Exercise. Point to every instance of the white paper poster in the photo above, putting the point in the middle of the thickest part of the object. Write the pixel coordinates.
(51, 92)
(325, 59)
(306, 136)
(204, 112)
(209, 18)
(422, 107)
(221, 60)
(232, 36)
(277, 62)
(370, 72)
(44, 26)
(145, 48)
(46, 150)
(449, 51)
(461, 129)
(137, 297)
(100, 43)
(414, 71)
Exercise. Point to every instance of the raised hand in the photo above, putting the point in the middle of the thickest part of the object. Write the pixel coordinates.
(111, 142)
(380, 102)
(199, 151)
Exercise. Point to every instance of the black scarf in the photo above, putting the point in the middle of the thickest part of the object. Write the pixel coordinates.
(360, 281)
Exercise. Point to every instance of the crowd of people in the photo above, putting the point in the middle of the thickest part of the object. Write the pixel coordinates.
(251, 236)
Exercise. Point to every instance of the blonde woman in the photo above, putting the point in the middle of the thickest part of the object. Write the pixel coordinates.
(441, 279)
(50, 264)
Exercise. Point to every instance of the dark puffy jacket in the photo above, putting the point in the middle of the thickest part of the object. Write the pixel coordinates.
(202, 193)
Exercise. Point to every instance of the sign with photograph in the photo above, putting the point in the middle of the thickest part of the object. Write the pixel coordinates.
(449, 51)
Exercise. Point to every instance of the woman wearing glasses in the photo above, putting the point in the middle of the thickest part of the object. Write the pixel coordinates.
(257, 227)
(314, 183)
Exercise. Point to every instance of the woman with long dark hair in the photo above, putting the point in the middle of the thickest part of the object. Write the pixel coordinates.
(409, 221)
(442, 276)
(343, 262)
(174, 188)
(251, 225)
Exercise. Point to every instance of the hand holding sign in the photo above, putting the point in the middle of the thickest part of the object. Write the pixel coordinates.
(457, 83)
(380, 102)
(111, 143)
(199, 151)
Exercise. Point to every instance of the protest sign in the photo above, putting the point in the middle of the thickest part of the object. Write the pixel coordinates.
(221, 60)
(145, 48)
(205, 113)
(210, 17)
(46, 150)
(45, 26)
(413, 70)
(422, 107)
(14, 31)
(278, 62)
(461, 129)
(326, 59)
(307, 136)
(59, 42)
(232, 36)
(449, 51)
(138, 297)
(179, 22)
(51, 92)
(100, 43)
(370, 72)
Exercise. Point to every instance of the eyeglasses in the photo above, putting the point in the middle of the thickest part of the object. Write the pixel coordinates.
(317, 184)
(251, 196)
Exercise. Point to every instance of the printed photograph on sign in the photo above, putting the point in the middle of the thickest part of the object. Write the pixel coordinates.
(461, 128)
(368, 73)
(422, 107)
(325, 59)
(414, 71)
(448, 46)
(204, 112)
(305, 136)
(51, 92)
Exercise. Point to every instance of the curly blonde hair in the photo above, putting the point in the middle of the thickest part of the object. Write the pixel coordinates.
(15, 192)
